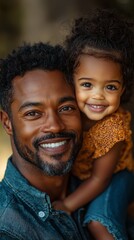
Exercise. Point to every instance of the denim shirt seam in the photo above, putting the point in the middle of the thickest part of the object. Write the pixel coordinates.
(27, 202)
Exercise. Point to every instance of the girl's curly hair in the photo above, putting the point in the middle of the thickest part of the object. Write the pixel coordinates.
(105, 34)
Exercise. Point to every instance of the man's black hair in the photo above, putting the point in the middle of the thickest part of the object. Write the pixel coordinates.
(25, 58)
(104, 34)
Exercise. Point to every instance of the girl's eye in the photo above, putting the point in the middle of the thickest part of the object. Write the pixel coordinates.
(86, 84)
(111, 87)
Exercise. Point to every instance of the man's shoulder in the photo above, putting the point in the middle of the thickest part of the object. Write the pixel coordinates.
(5, 196)
(10, 215)
(5, 217)
(6, 202)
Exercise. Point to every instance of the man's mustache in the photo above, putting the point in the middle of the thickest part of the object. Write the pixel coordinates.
(37, 141)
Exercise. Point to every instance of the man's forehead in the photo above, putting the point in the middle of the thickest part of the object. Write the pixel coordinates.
(27, 104)
(37, 75)
(37, 86)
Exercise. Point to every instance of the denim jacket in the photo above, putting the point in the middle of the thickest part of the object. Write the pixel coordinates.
(26, 213)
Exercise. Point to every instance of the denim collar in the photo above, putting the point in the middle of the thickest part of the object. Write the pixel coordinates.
(37, 201)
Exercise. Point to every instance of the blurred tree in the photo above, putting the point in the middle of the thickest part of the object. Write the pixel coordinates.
(10, 25)
(124, 6)
(59, 9)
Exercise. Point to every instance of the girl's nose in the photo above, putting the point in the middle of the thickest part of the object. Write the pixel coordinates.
(98, 94)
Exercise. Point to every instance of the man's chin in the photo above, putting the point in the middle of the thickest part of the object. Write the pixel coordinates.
(56, 164)
(57, 169)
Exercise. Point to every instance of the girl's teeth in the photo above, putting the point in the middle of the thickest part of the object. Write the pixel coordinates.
(97, 106)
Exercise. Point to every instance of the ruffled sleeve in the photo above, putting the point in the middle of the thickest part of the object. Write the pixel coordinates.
(107, 132)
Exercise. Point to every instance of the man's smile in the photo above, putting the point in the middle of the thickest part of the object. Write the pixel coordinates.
(53, 145)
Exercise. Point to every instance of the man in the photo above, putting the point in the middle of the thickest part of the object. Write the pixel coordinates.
(40, 114)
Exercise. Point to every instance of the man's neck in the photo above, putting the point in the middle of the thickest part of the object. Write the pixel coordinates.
(54, 186)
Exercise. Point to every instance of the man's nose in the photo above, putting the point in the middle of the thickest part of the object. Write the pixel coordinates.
(53, 123)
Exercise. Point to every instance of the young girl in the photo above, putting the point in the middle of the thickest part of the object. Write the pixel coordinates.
(101, 51)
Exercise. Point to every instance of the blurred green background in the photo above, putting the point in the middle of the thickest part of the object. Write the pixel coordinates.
(44, 20)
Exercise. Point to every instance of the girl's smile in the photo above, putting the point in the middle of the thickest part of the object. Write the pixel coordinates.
(98, 86)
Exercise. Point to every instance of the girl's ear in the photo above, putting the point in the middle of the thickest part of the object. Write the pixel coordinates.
(6, 123)
(123, 89)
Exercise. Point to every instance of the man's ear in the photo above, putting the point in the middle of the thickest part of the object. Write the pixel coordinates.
(6, 123)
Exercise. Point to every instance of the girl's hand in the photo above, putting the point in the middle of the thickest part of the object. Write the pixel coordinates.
(59, 205)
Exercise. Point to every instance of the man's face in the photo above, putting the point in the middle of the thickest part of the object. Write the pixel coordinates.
(46, 126)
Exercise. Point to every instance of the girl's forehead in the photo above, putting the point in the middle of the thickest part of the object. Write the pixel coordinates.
(102, 53)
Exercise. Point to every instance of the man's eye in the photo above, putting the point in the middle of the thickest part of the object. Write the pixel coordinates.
(32, 114)
(67, 108)
(86, 84)
(111, 87)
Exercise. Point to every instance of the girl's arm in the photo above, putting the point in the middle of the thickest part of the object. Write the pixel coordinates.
(102, 172)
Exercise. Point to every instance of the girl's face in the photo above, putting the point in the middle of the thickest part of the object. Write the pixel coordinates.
(98, 85)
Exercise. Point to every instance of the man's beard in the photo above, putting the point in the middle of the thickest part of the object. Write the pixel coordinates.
(49, 169)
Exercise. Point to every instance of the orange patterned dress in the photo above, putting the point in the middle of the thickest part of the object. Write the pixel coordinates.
(100, 138)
